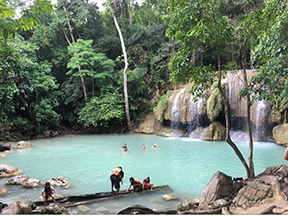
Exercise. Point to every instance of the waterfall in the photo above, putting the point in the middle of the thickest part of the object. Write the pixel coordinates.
(195, 110)
(185, 114)
(175, 110)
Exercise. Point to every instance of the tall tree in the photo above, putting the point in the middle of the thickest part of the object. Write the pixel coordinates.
(198, 24)
(129, 124)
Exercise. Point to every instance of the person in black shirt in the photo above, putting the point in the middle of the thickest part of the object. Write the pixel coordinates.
(116, 176)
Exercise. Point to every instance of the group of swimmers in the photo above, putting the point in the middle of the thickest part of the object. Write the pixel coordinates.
(125, 148)
(117, 175)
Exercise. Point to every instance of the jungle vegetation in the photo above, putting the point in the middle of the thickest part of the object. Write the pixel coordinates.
(63, 67)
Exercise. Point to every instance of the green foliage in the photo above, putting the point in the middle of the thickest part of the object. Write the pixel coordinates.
(191, 24)
(161, 106)
(215, 103)
(102, 111)
(270, 27)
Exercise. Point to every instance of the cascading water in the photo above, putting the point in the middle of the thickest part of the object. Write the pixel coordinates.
(195, 113)
(176, 108)
(261, 112)
(184, 109)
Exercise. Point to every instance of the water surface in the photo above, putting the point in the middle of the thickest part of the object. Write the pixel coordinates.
(185, 164)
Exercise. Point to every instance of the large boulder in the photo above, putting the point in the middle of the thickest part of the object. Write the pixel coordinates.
(187, 205)
(216, 132)
(168, 132)
(147, 126)
(280, 134)
(17, 180)
(7, 171)
(23, 144)
(197, 133)
(19, 207)
(5, 147)
(59, 181)
(31, 183)
(52, 209)
(136, 209)
(220, 186)
(268, 187)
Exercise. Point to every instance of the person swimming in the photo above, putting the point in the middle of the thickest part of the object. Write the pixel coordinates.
(144, 147)
(155, 145)
(124, 147)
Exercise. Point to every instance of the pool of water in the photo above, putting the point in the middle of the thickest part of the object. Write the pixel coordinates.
(86, 161)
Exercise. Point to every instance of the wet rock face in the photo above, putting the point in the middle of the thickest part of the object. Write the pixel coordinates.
(24, 180)
(186, 205)
(280, 134)
(59, 181)
(19, 207)
(30, 183)
(5, 147)
(216, 132)
(23, 144)
(54, 210)
(17, 180)
(6, 170)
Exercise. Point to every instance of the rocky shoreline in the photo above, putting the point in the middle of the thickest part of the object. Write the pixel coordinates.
(265, 194)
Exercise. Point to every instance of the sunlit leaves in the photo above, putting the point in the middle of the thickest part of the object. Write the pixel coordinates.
(101, 111)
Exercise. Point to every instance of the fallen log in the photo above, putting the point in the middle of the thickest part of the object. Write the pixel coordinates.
(89, 198)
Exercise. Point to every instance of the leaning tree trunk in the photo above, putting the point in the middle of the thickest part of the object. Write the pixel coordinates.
(226, 102)
(124, 73)
(251, 164)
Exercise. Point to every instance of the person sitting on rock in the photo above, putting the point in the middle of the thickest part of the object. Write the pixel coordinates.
(48, 191)
(137, 185)
(147, 185)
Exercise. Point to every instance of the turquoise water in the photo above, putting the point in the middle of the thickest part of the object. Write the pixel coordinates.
(185, 164)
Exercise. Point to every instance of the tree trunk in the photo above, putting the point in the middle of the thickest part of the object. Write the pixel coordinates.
(226, 102)
(124, 73)
(251, 165)
(73, 41)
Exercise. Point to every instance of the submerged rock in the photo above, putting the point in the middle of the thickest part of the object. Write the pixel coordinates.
(7, 171)
(23, 144)
(169, 197)
(83, 208)
(17, 180)
(59, 181)
(30, 183)
(102, 210)
(2, 191)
